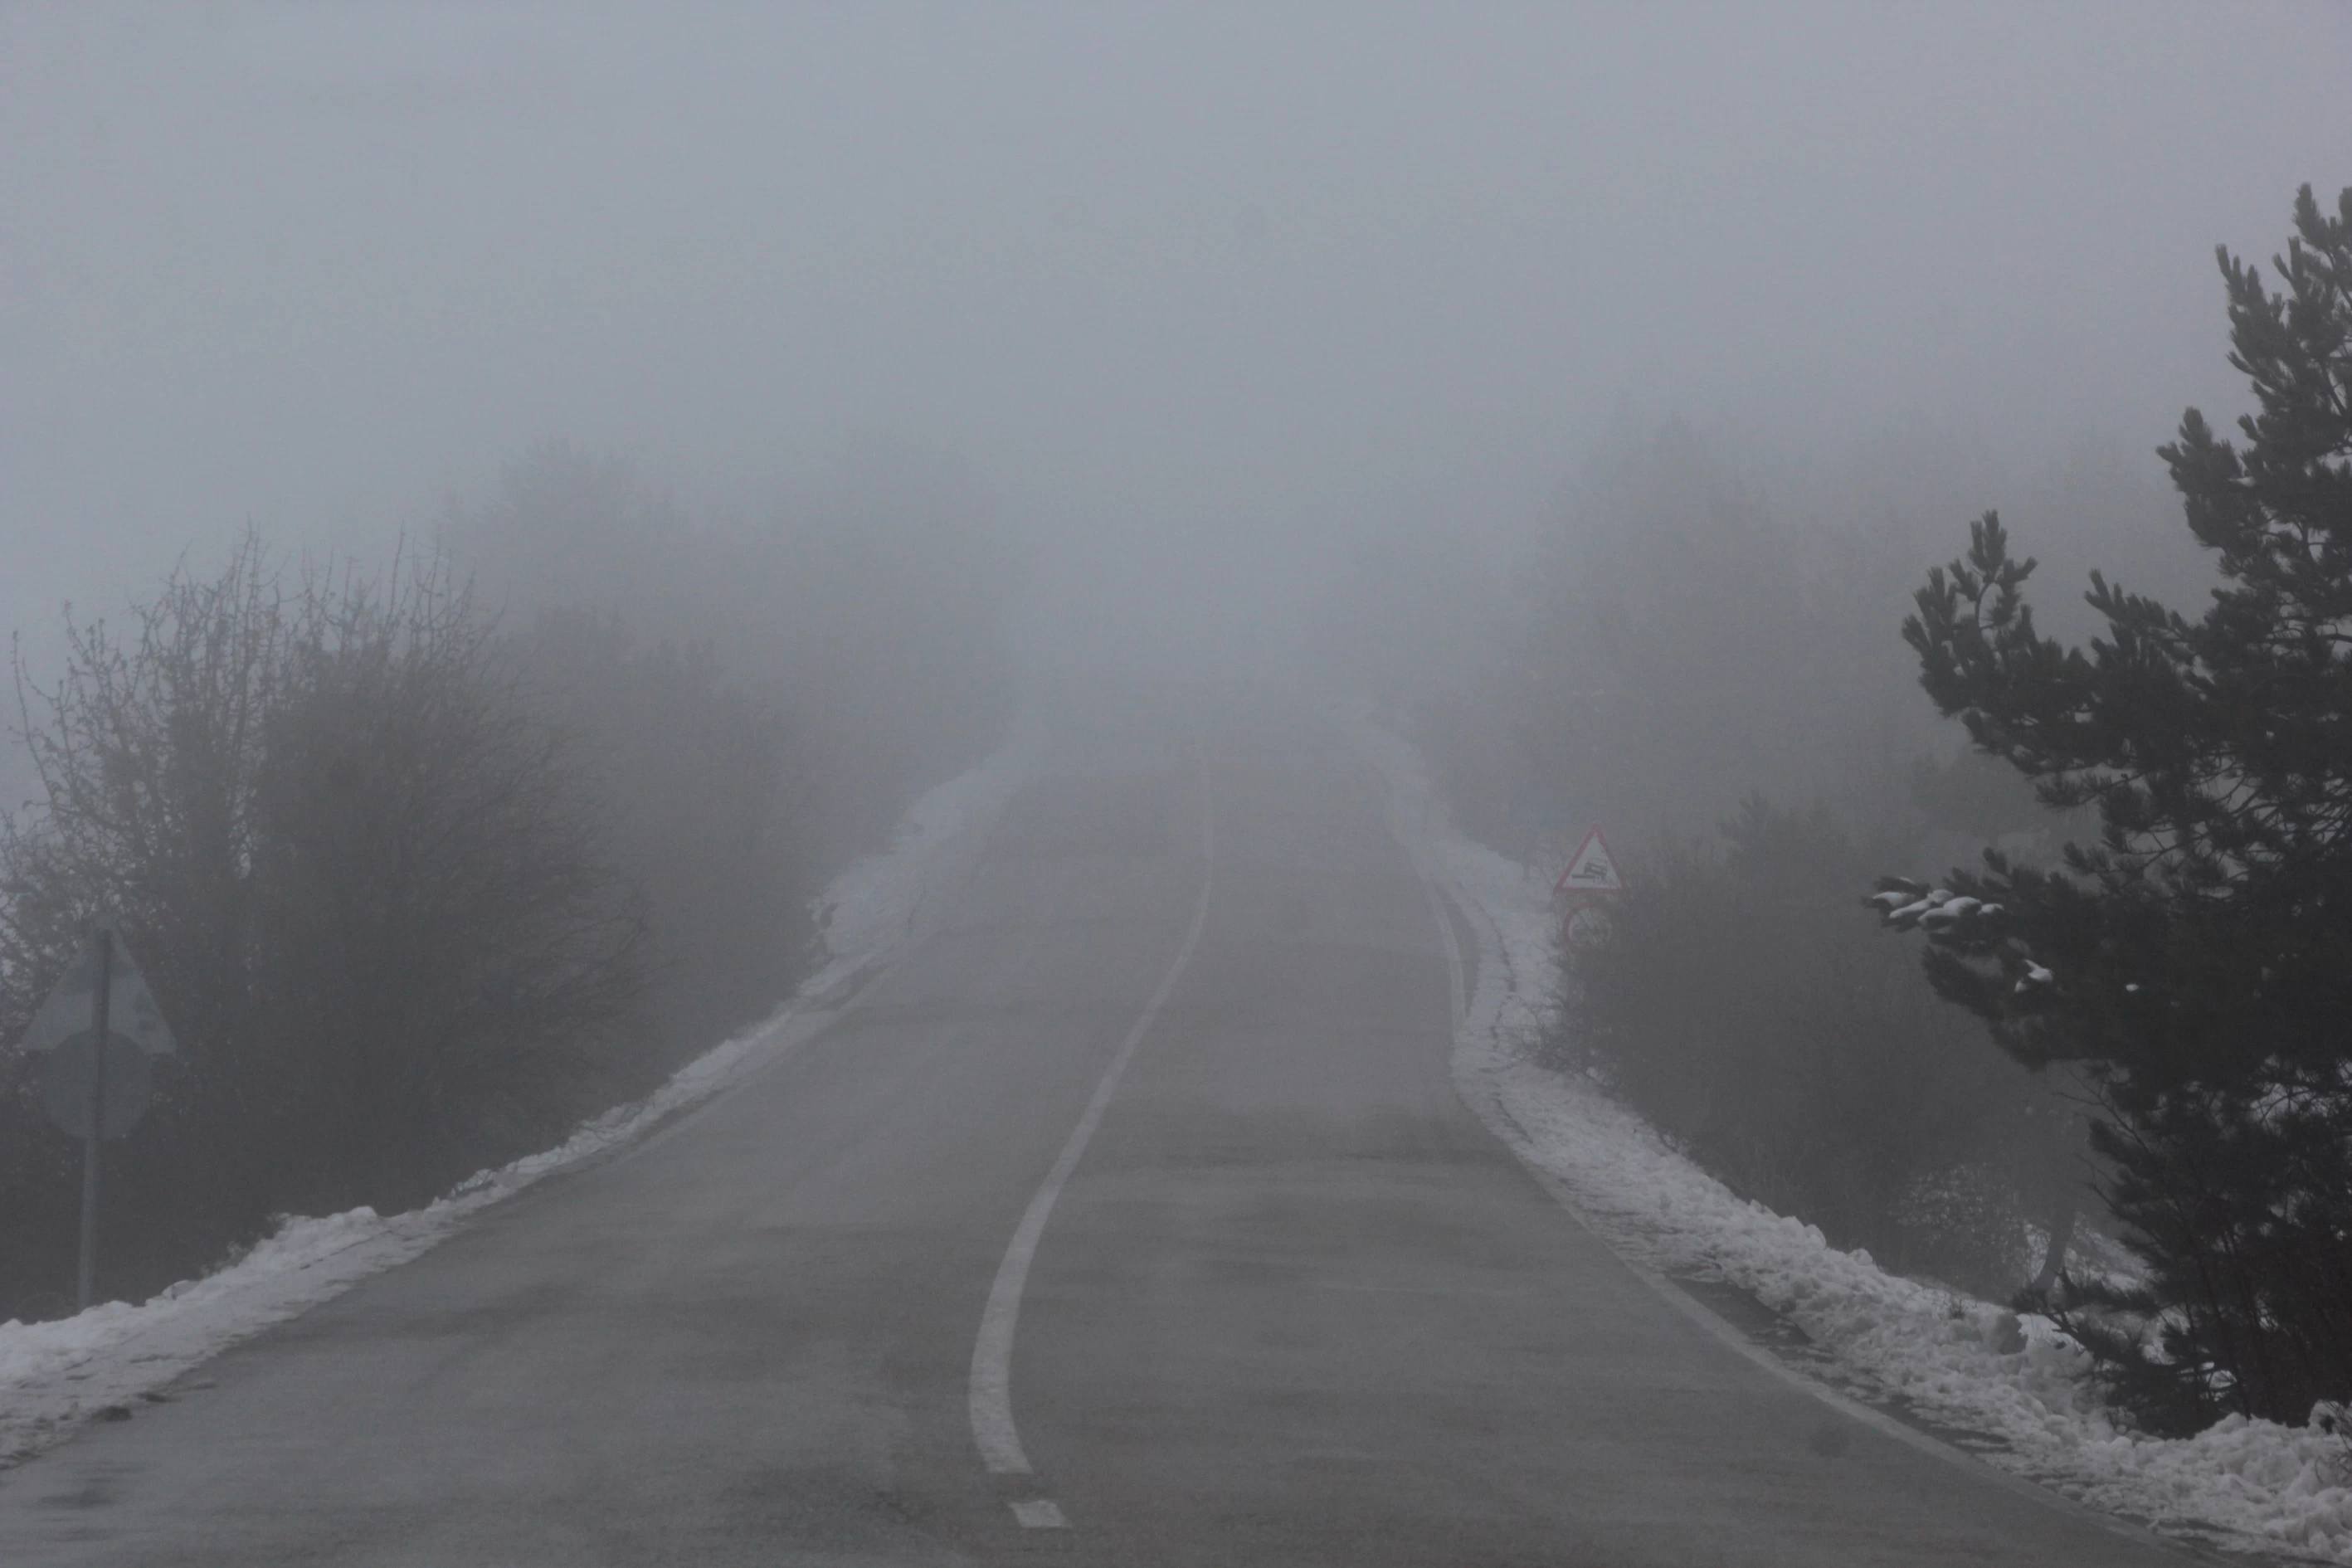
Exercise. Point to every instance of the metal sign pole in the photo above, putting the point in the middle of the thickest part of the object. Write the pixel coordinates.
(100, 993)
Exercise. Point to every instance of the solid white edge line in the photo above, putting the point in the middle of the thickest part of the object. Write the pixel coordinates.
(991, 1398)
(1732, 1338)
(1497, 1118)
(1456, 976)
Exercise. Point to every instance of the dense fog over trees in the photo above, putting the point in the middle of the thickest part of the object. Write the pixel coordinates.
(1190, 295)
(539, 491)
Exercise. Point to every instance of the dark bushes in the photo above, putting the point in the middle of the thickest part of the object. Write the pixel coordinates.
(1750, 1011)
(363, 875)
(867, 619)
(704, 812)
(421, 887)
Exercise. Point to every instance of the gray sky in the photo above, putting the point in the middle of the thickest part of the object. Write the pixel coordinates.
(1188, 280)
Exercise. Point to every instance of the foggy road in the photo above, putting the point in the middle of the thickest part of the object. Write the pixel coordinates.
(1291, 1303)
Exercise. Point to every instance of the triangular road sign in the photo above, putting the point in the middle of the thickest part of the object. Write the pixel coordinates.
(1592, 869)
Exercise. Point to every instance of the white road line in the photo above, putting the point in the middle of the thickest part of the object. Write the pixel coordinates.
(1455, 982)
(992, 1357)
(1040, 1514)
(1515, 1137)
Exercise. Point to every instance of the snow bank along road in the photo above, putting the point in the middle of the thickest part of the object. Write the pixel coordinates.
(1131, 1218)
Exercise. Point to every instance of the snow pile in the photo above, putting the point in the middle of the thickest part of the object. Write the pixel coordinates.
(55, 1375)
(887, 899)
(2015, 1384)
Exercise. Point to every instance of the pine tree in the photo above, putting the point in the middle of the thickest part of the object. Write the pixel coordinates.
(2196, 960)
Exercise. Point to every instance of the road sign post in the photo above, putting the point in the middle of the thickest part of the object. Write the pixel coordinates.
(101, 993)
(1586, 884)
(99, 1029)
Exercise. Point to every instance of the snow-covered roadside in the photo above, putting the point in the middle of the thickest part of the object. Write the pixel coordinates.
(2248, 1486)
(55, 1375)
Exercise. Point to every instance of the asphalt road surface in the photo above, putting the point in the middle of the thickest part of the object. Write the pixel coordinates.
(1289, 1303)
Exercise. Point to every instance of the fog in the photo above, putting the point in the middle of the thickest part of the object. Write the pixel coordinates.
(554, 549)
(1184, 293)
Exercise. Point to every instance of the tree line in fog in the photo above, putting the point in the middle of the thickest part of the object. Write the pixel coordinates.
(2120, 1086)
(426, 864)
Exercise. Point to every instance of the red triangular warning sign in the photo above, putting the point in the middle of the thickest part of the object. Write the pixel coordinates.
(1592, 869)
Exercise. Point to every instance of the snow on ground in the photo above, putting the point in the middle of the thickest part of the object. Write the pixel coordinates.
(2248, 1486)
(55, 1375)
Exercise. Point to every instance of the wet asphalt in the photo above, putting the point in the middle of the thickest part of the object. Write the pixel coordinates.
(1294, 1306)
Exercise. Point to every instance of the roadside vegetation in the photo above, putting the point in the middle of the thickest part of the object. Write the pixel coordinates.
(2194, 958)
(2117, 1088)
(424, 868)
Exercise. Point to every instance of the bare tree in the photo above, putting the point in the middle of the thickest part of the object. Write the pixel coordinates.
(363, 875)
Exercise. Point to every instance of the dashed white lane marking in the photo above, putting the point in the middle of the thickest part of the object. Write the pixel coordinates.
(1040, 1514)
(992, 1356)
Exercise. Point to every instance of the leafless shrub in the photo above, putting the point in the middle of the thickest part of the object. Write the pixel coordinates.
(704, 807)
(361, 874)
